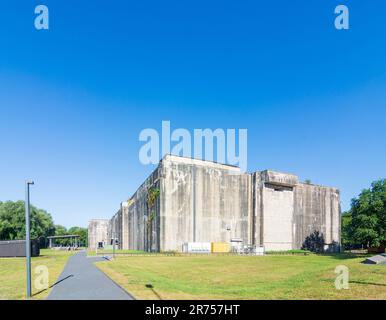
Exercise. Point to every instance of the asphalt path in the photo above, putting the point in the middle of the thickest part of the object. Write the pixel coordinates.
(82, 280)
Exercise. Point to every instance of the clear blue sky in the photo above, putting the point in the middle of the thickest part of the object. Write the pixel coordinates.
(73, 99)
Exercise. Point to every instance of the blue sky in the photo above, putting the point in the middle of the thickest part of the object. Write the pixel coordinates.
(74, 98)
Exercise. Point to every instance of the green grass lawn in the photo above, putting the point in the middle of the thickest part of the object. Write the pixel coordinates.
(245, 277)
(13, 273)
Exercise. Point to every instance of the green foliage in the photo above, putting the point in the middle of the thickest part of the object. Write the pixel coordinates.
(314, 242)
(12, 221)
(82, 232)
(152, 197)
(367, 226)
(152, 217)
(293, 251)
(12, 224)
(170, 252)
(347, 241)
(62, 231)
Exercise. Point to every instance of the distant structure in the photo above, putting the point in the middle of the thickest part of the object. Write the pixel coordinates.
(190, 200)
(98, 236)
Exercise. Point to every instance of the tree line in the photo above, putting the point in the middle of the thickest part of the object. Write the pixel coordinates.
(12, 225)
(364, 225)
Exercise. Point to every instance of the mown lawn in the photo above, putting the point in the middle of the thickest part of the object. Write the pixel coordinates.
(245, 277)
(13, 273)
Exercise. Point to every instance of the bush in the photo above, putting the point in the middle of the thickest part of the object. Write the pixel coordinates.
(314, 242)
(294, 251)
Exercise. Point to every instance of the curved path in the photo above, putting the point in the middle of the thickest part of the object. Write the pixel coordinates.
(82, 280)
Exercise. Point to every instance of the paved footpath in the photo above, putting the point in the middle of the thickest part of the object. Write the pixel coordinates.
(82, 280)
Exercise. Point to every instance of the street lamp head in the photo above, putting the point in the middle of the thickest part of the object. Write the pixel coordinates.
(30, 182)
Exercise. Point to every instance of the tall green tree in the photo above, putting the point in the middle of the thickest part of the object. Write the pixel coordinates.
(61, 231)
(368, 216)
(12, 221)
(82, 233)
(12, 225)
(347, 241)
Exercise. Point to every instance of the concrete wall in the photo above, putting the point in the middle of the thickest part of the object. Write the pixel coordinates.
(278, 218)
(124, 244)
(144, 222)
(203, 201)
(119, 227)
(97, 232)
(316, 208)
(273, 210)
(115, 229)
(286, 212)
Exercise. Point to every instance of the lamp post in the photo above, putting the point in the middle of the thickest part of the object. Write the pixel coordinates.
(27, 237)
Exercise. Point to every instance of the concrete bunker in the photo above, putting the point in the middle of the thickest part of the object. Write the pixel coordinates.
(203, 201)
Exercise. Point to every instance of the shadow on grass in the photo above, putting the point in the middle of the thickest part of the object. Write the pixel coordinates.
(57, 282)
(345, 256)
(151, 287)
(368, 283)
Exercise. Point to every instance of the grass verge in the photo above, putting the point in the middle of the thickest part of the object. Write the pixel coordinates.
(245, 277)
(13, 273)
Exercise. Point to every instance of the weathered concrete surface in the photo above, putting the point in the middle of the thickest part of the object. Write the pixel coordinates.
(144, 222)
(115, 229)
(316, 208)
(203, 201)
(279, 178)
(278, 212)
(124, 244)
(118, 227)
(286, 212)
(97, 232)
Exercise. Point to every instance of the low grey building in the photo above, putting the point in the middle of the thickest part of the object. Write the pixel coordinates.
(17, 248)
(190, 200)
